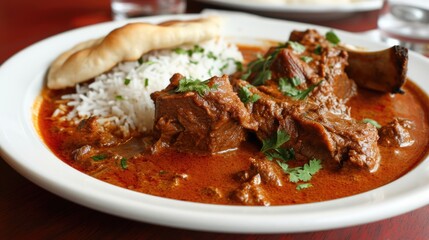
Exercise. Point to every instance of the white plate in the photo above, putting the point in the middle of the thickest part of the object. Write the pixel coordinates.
(22, 77)
(300, 11)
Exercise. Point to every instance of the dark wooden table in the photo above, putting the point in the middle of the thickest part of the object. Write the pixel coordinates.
(29, 212)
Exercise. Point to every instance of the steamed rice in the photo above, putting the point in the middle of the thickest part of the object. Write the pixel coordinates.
(122, 96)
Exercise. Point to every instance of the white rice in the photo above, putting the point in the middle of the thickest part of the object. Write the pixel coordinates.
(122, 96)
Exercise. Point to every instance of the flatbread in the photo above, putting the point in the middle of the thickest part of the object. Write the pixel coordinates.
(128, 43)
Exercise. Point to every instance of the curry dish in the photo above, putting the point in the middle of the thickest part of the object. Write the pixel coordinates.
(296, 124)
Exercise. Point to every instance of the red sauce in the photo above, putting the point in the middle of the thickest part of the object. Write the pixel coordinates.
(209, 179)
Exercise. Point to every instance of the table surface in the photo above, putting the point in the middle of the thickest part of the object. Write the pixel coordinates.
(30, 212)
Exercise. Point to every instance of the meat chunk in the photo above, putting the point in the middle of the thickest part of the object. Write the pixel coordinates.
(251, 193)
(319, 124)
(344, 138)
(328, 62)
(200, 123)
(90, 132)
(269, 172)
(396, 133)
(315, 131)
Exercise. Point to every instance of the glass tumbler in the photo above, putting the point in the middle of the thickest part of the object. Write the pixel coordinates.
(406, 22)
(123, 9)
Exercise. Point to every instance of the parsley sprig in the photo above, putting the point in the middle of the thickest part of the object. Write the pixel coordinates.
(246, 96)
(194, 85)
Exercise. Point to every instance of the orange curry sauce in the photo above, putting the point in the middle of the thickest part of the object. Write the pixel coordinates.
(209, 179)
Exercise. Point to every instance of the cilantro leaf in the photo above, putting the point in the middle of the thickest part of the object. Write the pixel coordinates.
(261, 67)
(306, 59)
(124, 163)
(318, 50)
(303, 94)
(246, 96)
(283, 165)
(238, 65)
(191, 85)
(190, 52)
(296, 46)
(303, 186)
(332, 37)
(99, 157)
(288, 87)
(280, 153)
(276, 141)
(305, 172)
(211, 55)
(180, 51)
(371, 121)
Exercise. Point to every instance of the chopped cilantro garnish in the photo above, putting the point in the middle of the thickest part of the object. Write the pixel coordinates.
(127, 81)
(280, 153)
(119, 97)
(239, 66)
(296, 46)
(371, 121)
(180, 51)
(224, 67)
(303, 94)
(261, 67)
(99, 157)
(303, 186)
(288, 87)
(305, 172)
(124, 163)
(272, 147)
(193, 62)
(246, 96)
(332, 37)
(197, 49)
(318, 50)
(190, 52)
(306, 59)
(276, 141)
(211, 55)
(190, 85)
(146, 82)
(296, 81)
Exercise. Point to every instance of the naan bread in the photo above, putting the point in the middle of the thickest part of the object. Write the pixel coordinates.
(128, 43)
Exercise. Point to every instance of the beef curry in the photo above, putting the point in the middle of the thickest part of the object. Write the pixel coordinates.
(292, 127)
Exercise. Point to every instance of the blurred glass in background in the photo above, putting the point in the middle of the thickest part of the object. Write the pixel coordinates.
(123, 9)
(406, 22)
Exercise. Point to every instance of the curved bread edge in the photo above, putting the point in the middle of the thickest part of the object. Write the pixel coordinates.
(128, 43)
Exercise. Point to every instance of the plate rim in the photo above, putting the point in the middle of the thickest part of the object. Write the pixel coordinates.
(205, 217)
